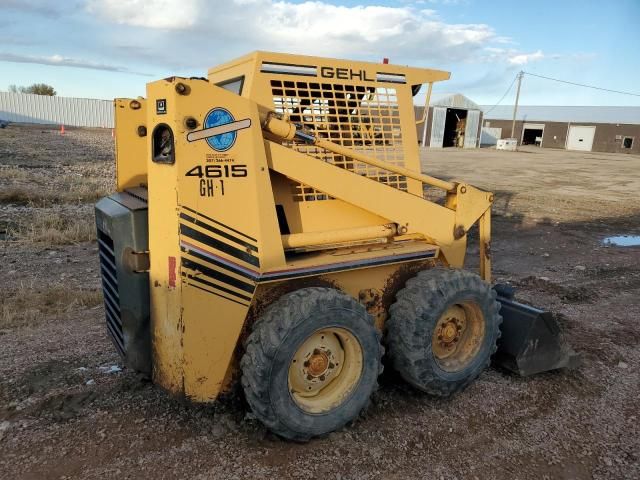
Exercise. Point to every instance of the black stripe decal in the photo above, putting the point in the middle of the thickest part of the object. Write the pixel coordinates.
(297, 273)
(218, 245)
(285, 275)
(219, 223)
(219, 264)
(220, 276)
(199, 279)
(298, 74)
(314, 270)
(188, 218)
(217, 295)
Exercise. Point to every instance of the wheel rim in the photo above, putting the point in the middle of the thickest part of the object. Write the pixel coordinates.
(458, 336)
(325, 369)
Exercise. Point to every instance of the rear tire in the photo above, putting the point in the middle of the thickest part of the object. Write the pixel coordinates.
(443, 329)
(311, 363)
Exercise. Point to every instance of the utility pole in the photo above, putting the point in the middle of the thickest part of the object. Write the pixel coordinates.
(515, 107)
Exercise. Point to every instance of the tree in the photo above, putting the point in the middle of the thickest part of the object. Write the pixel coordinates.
(36, 89)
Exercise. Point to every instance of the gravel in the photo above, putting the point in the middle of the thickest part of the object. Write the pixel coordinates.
(68, 408)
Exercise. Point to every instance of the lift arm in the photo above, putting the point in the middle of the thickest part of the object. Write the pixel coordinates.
(446, 226)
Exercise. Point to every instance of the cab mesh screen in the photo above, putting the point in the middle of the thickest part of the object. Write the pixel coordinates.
(364, 118)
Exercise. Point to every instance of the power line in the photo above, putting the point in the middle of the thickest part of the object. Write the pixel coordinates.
(505, 94)
(583, 85)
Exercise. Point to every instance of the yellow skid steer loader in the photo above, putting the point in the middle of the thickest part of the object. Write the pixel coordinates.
(270, 226)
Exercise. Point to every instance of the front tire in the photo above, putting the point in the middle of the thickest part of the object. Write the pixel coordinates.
(443, 329)
(311, 363)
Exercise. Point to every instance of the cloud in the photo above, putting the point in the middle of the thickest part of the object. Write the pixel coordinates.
(513, 57)
(42, 7)
(60, 61)
(195, 28)
(164, 14)
(524, 58)
(187, 36)
(8, 39)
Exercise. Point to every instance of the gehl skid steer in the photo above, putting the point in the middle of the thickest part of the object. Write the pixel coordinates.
(271, 227)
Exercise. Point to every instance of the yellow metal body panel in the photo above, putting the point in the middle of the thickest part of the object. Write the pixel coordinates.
(218, 211)
(196, 317)
(338, 213)
(131, 148)
(485, 245)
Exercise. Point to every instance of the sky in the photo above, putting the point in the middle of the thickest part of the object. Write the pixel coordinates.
(112, 48)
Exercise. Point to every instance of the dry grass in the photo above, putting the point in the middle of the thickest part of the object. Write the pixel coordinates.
(58, 199)
(13, 174)
(38, 197)
(51, 227)
(46, 187)
(26, 196)
(26, 305)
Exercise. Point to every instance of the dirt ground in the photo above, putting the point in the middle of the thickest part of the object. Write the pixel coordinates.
(68, 409)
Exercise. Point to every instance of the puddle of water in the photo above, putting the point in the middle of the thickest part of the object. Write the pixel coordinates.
(623, 241)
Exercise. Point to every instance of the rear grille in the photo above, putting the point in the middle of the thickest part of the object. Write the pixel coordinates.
(110, 289)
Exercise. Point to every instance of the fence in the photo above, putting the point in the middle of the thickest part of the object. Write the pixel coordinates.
(77, 112)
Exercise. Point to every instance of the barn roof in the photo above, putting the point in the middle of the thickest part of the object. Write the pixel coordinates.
(584, 114)
(453, 100)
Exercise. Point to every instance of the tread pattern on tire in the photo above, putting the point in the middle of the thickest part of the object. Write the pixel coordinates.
(412, 315)
(267, 335)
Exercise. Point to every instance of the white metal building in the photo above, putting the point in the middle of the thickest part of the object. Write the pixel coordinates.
(453, 121)
(78, 112)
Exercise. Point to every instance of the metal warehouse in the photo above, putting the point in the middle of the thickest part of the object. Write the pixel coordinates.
(453, 120)
(589, 129)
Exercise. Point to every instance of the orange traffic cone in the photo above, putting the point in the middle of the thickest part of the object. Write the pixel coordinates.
(62, 129)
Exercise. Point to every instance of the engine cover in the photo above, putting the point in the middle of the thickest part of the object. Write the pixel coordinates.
(123, 239)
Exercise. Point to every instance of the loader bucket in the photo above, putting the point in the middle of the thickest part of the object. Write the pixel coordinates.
(531, 341)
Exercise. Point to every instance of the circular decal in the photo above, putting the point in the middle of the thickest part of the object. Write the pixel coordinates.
(216, 117)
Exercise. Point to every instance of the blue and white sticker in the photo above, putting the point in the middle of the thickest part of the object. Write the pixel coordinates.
(220, 129)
